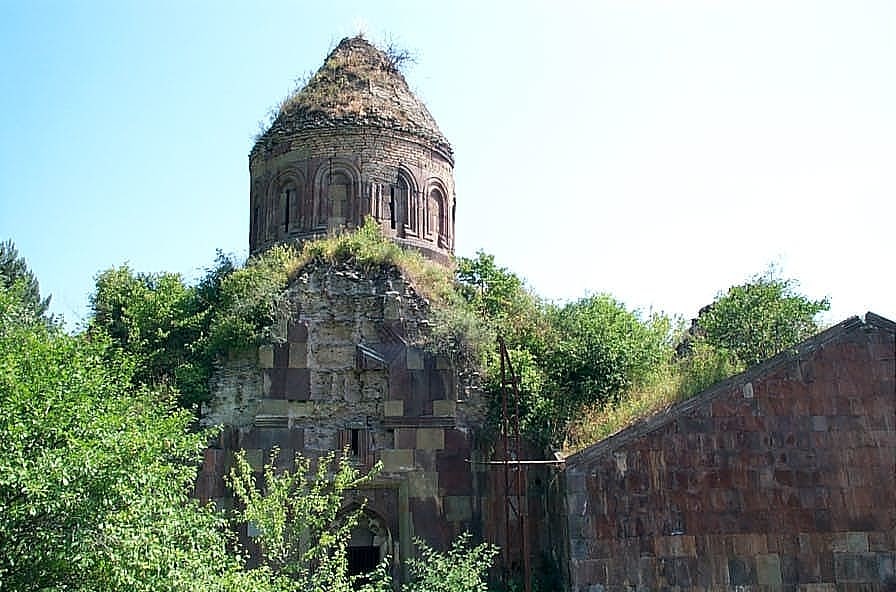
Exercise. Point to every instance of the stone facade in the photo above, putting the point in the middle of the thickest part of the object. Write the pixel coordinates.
(346, 370)
(354, 142)
(782, 478)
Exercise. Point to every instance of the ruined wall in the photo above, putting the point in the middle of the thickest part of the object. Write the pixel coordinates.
(783, 478)
(344, 371)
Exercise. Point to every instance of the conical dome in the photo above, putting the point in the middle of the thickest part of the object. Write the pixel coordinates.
(360, 85)
(353, 142)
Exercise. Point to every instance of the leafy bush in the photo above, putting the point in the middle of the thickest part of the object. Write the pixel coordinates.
(96, 473)
(760, 318)
(704, 366)
(302, 533)
(461, 569)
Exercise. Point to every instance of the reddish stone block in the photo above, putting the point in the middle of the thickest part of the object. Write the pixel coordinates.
(281, 355)
(297, 332)
(297, 384)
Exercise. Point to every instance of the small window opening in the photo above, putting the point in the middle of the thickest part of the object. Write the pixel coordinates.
(355, 445)
(392, 207)
(286, 211)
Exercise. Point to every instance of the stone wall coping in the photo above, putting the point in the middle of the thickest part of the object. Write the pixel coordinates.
(650, 424)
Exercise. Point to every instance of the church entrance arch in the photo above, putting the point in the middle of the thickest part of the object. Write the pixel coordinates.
(370, 541)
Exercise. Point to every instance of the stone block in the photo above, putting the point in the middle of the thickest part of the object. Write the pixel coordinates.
(423, 484)
(299, 409)
(297, 384)
(298, 332)
(768, 570)
(276, 407)
(265, 356)
(458, 508)
(856, 567)
(405, 438)
(444, 408)
(431, 438)
(414, 359)
(741, 571)
(298, 355)
(397, 460)
(266, 383)
(393, 408)
(335, 356)
(391, 306)
(857, 542)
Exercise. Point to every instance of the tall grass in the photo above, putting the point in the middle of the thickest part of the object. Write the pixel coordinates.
(675, 381)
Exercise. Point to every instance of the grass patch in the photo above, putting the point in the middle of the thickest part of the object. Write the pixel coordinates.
(703, 367)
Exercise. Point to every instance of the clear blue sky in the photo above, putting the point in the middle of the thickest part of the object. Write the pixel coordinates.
(658, 151)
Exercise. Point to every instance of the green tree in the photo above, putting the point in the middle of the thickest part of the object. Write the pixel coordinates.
(303, 535)
(14, 273)
(95, 473)
(600, 352)
(163, 324)
(760, 318)
(462, 568)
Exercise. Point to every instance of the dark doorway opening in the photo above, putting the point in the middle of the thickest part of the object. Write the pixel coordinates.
(362, 560)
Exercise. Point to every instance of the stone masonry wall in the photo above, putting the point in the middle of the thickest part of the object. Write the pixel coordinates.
(371, 157)
(344, 371)
(782, 478)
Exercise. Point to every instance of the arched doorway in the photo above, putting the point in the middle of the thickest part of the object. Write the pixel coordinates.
(370, 541)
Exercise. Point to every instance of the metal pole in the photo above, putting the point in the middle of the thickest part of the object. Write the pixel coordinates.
(521, 480)
(506, 466)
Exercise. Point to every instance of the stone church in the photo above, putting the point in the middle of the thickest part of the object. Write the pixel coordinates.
(342, 371)
(781, 478)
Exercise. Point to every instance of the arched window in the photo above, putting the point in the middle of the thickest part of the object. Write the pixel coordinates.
(404, 203)
(339, 195)
(436, 219)
(288, 205)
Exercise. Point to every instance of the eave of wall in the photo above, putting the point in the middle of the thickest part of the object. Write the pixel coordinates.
(677, 410)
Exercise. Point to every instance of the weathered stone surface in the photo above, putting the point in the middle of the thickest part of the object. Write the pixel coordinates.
(780, 478)
(332, 381)
(430, 438)
(444, 408)
(323, 168)
(393, 408)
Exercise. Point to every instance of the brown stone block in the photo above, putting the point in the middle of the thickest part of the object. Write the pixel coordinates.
(456, 482)
(723, 407)
(807, 568)
(406, 438)
(456, 440)
(281, 355)
(749, 544)
(419, 384)
(297, 384)
(822, 403)
(297, 332)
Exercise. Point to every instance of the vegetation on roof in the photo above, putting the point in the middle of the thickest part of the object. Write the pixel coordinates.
(358, 83)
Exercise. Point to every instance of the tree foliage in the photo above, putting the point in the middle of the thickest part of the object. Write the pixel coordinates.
(163, 324)
(302, 533)
(462, 568)
(760, 318)
(16, 275)
(95, 474)
(567, 357)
